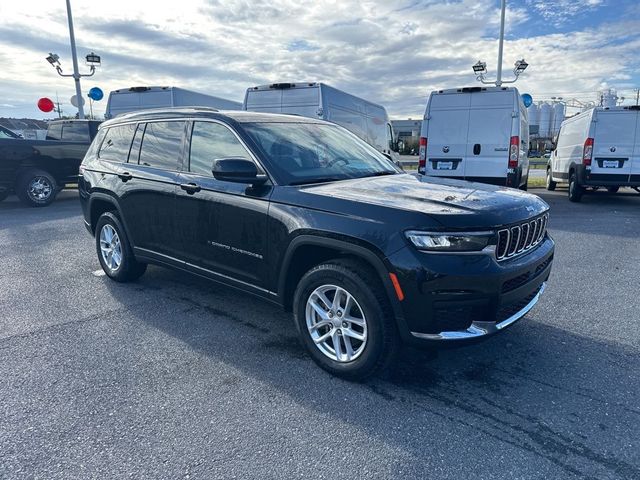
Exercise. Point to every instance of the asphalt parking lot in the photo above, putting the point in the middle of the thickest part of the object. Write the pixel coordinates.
(175, 377)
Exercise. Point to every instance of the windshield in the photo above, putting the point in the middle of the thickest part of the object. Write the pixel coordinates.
(300, 153)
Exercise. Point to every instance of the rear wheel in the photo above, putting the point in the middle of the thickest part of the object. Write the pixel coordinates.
(36, 188)
(114, 252)
(344, 319)
(575, 190)
(613, 189)
(551, 185)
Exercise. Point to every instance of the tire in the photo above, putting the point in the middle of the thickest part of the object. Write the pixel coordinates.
(112, 245)
(575, 190)
(524, 187)
(3, 195)
(378, 344)
(613, 189)
(551, 185)
(36, 188)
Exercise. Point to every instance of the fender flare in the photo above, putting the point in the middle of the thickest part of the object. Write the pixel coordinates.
(360, 251)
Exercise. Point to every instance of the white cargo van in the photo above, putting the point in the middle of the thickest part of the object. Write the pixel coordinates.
(131, 99)
(597, 148)
(367, 120)
(476, 133)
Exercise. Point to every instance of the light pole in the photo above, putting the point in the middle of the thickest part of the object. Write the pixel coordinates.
(93, 61)
(480, 68)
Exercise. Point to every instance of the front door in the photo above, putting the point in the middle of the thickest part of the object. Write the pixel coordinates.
(222, 225)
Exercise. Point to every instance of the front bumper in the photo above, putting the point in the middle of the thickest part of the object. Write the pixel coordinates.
(453, 299)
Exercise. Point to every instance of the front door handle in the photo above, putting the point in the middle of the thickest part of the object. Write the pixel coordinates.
(125, 176)
(190, 188)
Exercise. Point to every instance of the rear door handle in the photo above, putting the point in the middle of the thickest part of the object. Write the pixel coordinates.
(125, 176)
(476, 149)
(190, 188)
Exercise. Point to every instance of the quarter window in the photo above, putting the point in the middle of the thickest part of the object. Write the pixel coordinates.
(210, 141)
(161, 145)
(115, 147)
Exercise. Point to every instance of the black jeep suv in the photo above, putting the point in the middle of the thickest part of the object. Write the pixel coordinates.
(304, 214)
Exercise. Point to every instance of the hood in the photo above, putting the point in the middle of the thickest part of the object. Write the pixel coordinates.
(452, 203)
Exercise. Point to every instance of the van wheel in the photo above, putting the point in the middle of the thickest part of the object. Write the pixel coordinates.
(551, 185)
(4, 195)
(114, 252)
(613, 189)
(344, 319)
(575, 190)
(36, 188)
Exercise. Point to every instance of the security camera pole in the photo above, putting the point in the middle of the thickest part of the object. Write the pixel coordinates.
(93, 61)
(480, 68)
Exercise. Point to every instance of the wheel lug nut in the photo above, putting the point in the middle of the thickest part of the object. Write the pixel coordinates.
(339, 313)
(345, 324)
(339, 332)
(330, 314)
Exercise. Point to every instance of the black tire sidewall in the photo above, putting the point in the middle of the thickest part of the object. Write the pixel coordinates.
(366, 363)
(575, 191)
(22, 186)
(551, 185)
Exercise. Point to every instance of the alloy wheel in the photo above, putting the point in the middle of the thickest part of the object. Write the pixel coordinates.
(110, 247)
(39, 189)
(336, 323)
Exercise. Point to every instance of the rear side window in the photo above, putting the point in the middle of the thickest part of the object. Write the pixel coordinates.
(75, 132)
(162, 144)
(210, 141)
(117, 140)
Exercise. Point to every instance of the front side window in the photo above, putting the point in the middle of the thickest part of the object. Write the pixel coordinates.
(162, 144)
(211, 141)
(116, 143)
(300, 153)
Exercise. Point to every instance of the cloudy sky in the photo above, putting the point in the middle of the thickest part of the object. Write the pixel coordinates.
(392, 52)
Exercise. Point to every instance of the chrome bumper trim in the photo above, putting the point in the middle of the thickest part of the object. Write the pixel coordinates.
(480, 329)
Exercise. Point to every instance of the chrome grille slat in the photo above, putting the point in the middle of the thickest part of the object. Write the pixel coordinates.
(519, 239)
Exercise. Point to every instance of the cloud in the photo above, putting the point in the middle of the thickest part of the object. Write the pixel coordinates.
(560, 12)
(391, 52)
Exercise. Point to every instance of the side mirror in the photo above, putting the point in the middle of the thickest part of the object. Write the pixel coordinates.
(237, 170)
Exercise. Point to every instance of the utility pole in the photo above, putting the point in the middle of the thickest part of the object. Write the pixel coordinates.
(74, 58)
(637, 90)
(501, 42)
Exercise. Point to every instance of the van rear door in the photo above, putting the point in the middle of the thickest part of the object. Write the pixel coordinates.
(635, 158)
(490, 126)
(448, 124)
(613, 145)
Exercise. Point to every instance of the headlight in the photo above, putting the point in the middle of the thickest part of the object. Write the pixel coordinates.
(450, 242)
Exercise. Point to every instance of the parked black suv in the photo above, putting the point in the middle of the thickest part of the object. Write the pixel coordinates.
(304, 214)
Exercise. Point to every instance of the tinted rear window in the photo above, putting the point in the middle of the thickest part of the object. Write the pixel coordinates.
(162, 144)
(75, 132)
(115, 147)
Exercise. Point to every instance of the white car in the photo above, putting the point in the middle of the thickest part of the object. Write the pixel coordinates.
(476, 133)
(597, 148)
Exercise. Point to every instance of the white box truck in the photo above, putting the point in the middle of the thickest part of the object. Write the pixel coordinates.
(597, 148)
(476, 133)
(126, 100)
(367, 120)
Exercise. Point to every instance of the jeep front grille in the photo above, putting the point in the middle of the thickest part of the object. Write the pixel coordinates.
(521, 238)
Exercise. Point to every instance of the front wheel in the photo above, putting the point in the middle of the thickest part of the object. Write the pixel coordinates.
(344, 319)
(114, 252)
(551, 185)
(613, 189)
(575, 190)
(36, 188)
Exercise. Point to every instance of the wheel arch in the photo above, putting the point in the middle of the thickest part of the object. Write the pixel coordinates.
(100, 203)
(306, 251)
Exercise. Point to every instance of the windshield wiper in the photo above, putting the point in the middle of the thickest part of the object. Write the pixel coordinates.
(380, 174)
(317, 180)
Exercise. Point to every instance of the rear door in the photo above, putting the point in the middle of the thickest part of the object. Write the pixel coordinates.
(613, 145)
(448, 124)
(490, 127)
